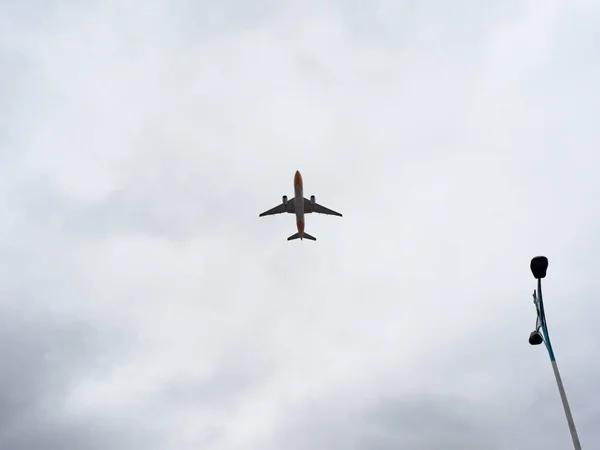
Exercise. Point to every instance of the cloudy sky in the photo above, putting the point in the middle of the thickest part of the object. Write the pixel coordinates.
(145, 305)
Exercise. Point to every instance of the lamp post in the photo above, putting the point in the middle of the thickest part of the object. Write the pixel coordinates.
(539, 266)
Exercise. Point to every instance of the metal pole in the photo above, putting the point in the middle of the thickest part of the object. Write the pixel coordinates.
(561, 388)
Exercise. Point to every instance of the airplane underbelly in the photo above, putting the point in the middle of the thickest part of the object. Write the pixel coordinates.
(299, 199)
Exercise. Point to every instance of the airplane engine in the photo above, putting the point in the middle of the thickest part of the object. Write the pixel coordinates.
(284, 199)
(312, 199)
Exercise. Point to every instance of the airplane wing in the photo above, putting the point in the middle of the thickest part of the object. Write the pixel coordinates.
(288, 207)
(316, 208)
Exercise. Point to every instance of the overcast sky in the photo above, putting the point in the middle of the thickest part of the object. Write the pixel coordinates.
(146, 305)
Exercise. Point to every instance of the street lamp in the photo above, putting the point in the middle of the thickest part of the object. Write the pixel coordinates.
(539, 266)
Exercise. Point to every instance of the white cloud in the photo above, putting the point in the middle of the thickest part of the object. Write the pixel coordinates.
(142, 142)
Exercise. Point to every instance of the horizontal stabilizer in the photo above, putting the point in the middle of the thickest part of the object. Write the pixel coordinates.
(297, 236)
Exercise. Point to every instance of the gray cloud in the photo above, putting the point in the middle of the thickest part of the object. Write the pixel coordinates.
(427, 422)
(44, 358)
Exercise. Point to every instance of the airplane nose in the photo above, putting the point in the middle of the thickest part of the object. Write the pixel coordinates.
(297, 179)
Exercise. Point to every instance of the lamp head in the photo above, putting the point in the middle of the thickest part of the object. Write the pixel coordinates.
(535, 338)
(539, 266)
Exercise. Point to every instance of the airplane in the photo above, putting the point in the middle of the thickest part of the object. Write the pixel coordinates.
(299, 206)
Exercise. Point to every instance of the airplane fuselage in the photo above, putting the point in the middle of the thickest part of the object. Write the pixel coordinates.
(299, 203)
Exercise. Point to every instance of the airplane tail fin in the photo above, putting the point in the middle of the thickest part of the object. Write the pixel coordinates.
(297, 236)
